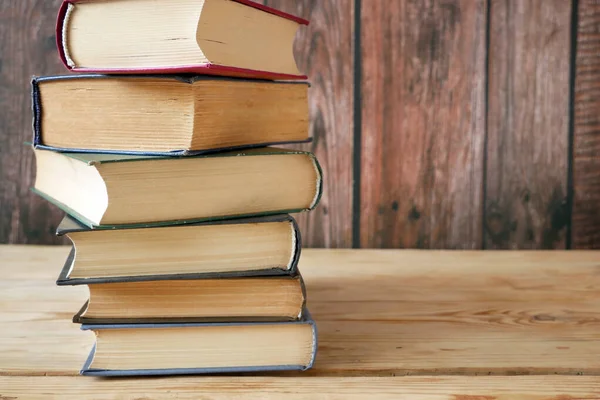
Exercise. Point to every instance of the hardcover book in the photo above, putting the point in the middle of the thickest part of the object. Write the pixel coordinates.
(198, 300)
(223, 37)
(177, 349)
(166, 115)
(116, 190)
(263, 246)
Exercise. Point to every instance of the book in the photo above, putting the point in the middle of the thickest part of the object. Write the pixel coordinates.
(264, 246)
(232, 299)
(200, 348)
(224, 37)
(166, 115)
(121, 190)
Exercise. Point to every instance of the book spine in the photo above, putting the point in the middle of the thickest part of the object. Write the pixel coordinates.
(293, 270)
(315, 336)
(36, 108)
(319, 183)
(60, 20)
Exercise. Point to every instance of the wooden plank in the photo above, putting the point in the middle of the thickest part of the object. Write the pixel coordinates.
(423, 86)
(324, 52)
(586, 142)
(379, 312)
(273, 387)
(26, 48)
(528, 115)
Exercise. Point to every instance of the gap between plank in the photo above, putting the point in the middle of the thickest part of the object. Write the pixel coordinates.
(357, 154)
(488, 21)
(571, 141)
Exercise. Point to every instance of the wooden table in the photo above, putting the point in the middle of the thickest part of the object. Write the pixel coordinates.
(392, 324)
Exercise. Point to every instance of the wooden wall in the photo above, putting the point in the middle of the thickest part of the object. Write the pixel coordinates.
(27, 48)
(439, 123)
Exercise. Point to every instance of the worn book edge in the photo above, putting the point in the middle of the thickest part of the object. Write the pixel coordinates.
(86, 158)
(71, 225)
(86, 370)
(79, 318)
(207, 69)
(37, 109)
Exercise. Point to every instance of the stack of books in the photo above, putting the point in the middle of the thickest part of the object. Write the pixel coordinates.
(176, 206)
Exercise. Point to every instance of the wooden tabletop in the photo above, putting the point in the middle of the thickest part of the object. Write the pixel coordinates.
(397, 324)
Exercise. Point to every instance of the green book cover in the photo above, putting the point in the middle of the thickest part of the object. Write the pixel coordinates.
(92, 159)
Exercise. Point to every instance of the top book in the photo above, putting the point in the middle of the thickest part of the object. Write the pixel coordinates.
(216, 37)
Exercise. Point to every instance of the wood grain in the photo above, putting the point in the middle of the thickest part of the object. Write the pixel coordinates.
(424, 166)
(324, 52)
(586, 142)
(272, 387)
(27, 48)
(528, 114)
(423, 86)
(379, 313)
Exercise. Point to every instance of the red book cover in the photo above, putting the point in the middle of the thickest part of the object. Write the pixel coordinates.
(203, 69)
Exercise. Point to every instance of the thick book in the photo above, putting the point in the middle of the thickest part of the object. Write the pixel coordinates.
(263, 246)
(103, 190)
(221, 37)
(166, 115)
(207, 348)
(197, 300)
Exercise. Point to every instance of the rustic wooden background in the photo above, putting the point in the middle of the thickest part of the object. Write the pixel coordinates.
(440, 123)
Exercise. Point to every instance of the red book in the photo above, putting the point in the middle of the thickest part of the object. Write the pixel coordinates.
(238, 38)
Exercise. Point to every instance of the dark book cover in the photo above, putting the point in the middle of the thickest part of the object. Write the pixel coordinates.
(206, 69)
(69, 224)
(86, 370)
(37, 108)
